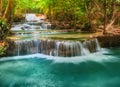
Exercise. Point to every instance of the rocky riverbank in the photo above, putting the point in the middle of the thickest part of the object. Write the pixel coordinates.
(109, 40)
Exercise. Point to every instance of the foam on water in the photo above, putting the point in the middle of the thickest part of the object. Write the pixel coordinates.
(99, 69)
(96, 57)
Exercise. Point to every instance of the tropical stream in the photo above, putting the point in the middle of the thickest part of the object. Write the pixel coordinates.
(100, 69)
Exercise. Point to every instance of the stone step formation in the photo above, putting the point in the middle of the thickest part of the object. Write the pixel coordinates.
(54, 47)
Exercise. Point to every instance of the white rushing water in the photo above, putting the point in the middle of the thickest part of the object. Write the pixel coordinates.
(96, 57)
(33, 22)
(56, 48)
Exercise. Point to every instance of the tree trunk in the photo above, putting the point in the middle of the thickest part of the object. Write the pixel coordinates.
(109, 26)
(113, 9)
(105, 17)
(7, 9)
(0, 8)
(8, 13)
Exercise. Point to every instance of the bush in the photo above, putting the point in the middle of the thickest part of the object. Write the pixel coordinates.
(87, 27)
(4, 29)
(2, 50)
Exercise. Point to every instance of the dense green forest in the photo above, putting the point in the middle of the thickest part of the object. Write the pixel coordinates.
(87, 15)
(71, 13)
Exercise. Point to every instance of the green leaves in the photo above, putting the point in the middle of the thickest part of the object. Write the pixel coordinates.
(74, 11)
(2, 50)
(4, 30)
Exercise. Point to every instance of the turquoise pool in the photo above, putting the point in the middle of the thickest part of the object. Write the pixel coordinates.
(101, 69)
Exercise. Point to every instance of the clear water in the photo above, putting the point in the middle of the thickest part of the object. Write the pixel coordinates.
(100, 69)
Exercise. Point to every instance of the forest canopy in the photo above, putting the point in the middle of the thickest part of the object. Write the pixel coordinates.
(68, 13)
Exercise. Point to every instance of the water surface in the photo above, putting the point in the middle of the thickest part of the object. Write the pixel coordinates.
(101, 69)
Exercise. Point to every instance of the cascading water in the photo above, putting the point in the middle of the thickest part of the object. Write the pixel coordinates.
(33, 23)
(51, 47)
(56, 48)
(61, 68)
(99, 69)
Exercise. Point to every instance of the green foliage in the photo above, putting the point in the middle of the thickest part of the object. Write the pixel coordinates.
(71, 12)
(26, 5)
(87, 27)
(4, 29)
(2, 50)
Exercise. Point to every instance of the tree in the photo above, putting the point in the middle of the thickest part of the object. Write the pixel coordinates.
(23, 6)
(0, 8)
(102, 11)
(66, 12)
(4, 29)
(111, 9)
(9, 11)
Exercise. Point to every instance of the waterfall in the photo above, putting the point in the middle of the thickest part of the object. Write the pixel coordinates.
(27, 47)
(33, 22)
(57, 48)
(98, 45)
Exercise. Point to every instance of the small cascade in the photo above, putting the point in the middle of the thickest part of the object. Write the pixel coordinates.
(46, 25)
(33, 22)
(56, 48)
(97, 45)
(27, 47)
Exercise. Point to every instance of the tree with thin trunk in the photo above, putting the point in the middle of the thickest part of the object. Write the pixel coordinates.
(7, 9)
(105, 17)
(0, 8)
(110, 14)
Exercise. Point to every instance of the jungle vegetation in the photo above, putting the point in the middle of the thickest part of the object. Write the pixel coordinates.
(85, 15)
(71, 14)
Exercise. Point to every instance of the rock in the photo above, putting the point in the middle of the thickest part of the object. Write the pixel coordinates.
(53, 47)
